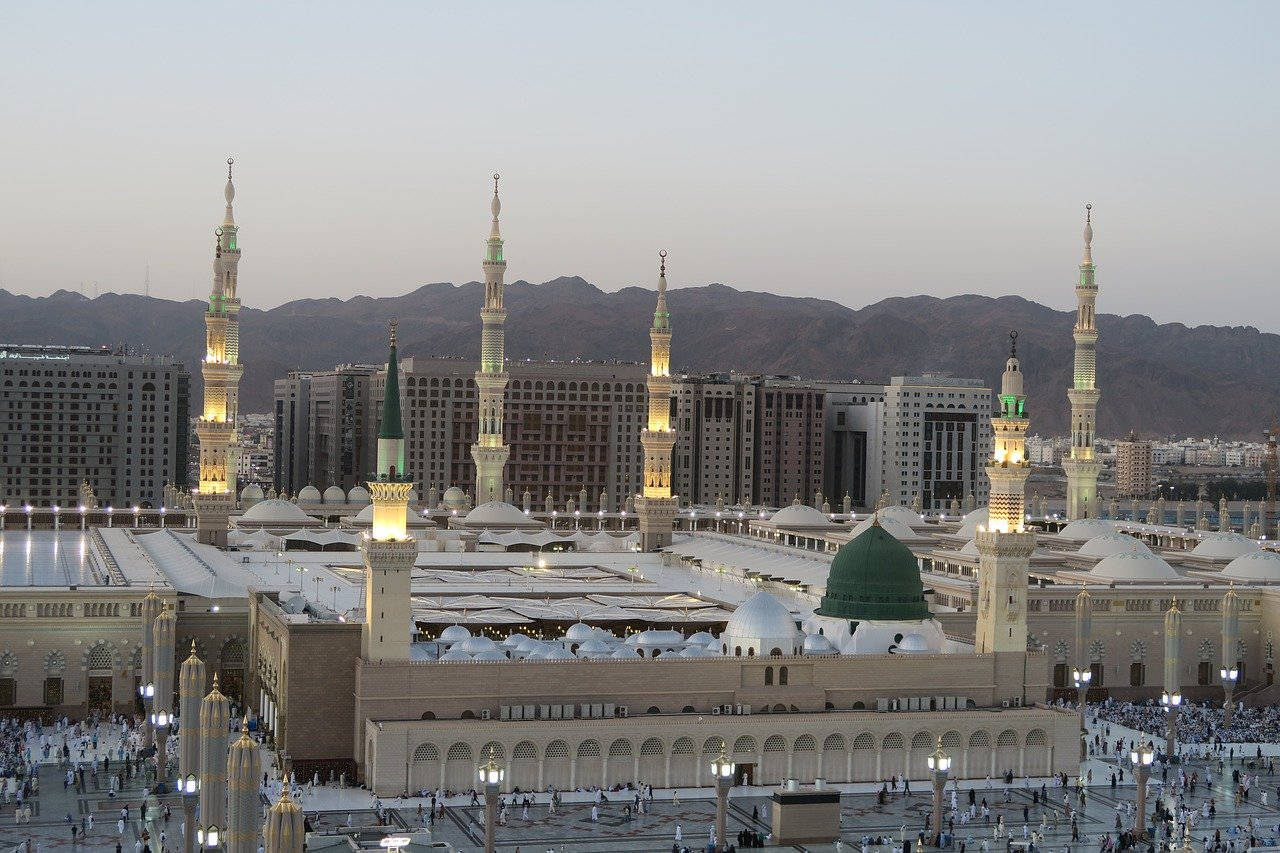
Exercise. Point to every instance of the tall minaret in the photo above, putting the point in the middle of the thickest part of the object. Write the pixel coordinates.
(221, 369)
(655, 505)
(1005, 546)
(1082, 467)
(388, 550)
(490, 452)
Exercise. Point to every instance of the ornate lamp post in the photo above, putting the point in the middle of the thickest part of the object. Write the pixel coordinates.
(722, 770)
(1171, 702)
(940, 766)
(190, 787)
(491, 776)
(1229, 678)
(1141, 758)
(1082, 677)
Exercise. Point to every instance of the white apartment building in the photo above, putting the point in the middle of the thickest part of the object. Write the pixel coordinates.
(937, 439)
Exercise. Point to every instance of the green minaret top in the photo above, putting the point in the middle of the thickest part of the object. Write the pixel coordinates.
(392, 423)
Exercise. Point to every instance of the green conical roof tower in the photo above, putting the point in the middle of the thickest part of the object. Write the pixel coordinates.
(391, 432)
(874, 577)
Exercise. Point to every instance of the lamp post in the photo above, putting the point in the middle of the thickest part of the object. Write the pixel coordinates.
(939, 765)
(722, 769)
(1171, 702)
(1229, 677)
(491, 776)
(1082, 677)
(1141, 758)
(190, 786)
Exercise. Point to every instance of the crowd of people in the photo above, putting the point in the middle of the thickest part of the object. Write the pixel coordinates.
(1199, 724)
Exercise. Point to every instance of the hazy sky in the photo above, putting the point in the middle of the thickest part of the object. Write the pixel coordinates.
(846, 150)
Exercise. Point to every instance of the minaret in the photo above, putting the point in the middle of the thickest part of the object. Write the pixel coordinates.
(1005, 546)
(244, 766)
(490, 452)
(221, 369)
(655, 505)
(284, 831)
(215, 717)
(190, 691)
(1081, 466)
(388, 550)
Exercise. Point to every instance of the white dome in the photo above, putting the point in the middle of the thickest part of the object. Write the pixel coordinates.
(514, 640)
(913, 643)
(578, 632)
(970, 548)
(455, 654)
(624, 653)
(762, 623)
(274, 512)
(817, 644)
(251, 492)
(490, 654)
(1135, 566)
(1257, 566)
(528, 645)
(593, 646)
(309, 494)
(496, 514)
(1111, 543)
(702, 638)
(1224, 546)
(800, 515)
(335, 495)
(662, 639)
(902, 514)
(477, 644)
(454, 498)
(699, 652)
(555, 653)
(891, 525)
(969, 526)
(1084, 529)
(454, 634)
(358, 495)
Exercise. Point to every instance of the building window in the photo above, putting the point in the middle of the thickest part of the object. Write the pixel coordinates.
(53, 691)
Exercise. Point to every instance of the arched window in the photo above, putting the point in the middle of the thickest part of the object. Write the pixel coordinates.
(768, 675)
(782, 675)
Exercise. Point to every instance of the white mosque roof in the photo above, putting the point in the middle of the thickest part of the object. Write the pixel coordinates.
(893, 526)
(969, 526)
(309, 494)
(1256, 567)
(902, 514)
(579, 632)
(277, 512)
(497, 514)
(251, 492)
(1224, 546)
(455, 654)
(491, 654)
(335, 495)
(358, 495)
(1084, 529)
(799, 515)
(1134, 566)
(454, 634)
(970, 548)
(817, 644)
(762, 616)
(322, 537)
(454, 498)
(1111, 543)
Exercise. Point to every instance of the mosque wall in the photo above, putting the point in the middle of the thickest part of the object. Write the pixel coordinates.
(675, 750)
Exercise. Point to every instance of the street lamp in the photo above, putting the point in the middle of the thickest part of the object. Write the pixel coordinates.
(189, 785)
(491, 776)
(1171, 701)
(722, 769)
(1082, 677)
(160, 719)
(940, 766)
(1141, 757)
(1229, 678)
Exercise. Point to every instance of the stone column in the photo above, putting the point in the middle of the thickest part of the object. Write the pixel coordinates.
(283, 832)
(244, 767)
(190, 692)
(215, 717)
(151, 607)
(162, 640)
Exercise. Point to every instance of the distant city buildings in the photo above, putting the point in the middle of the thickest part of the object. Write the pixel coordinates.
(73, 415)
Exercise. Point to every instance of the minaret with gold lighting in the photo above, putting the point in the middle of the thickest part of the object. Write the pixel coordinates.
(1005, 545)
(221, 370)
(655, 505)
(1082, 467)
(388, 550)
(490, 451)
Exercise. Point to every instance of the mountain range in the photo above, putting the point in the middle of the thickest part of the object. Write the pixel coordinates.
(1159, 379)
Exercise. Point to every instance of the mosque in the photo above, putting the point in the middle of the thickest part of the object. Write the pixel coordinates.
(399, 639)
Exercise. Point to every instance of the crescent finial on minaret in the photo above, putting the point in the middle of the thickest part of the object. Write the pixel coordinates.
(1013, 344)
(496, 206)
(393, 331)
(1088, 233)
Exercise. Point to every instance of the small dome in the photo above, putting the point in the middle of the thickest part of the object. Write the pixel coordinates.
(358, 495)
(892, 526)
(455, 654)
(900, 513)
(970, 548)
(496, 514)
(661, 639)
(1134, 566)
(702, 638)
(454, 634)
(490, 654)
(1225, 546)
(624, 653)
(594, 645)
(335, 495)
(513, 640)
(763, 623)
(800, 515)
(969, 526)
(274, 512)
(1084, 529)
(557, 653)
(251, 494)
(1257, 567)
(309, 495)
(1111, 543)
(913, 643)
(699, 652)
(579, 632)
(874, 576)
(476, 644)
(817, 644)
(454, 498)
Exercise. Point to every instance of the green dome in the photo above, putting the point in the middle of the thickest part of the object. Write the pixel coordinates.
(874, 577)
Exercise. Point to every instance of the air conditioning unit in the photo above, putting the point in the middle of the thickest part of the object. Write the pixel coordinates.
(726, 709)
(746, 709)
(715, 710)
(739, 709)
(1017, 701)
(622, 710)
(504, 713)
(1004, 703)
(485, 714)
